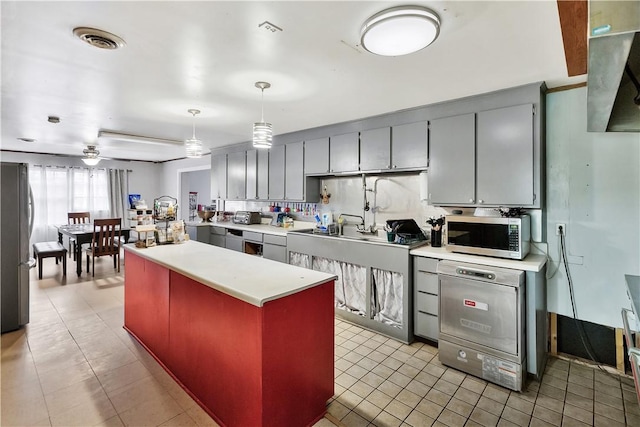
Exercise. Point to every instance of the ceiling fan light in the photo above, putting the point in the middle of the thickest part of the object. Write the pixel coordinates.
(91, 156)
(193, 148)
(262, 135)
(400, 30)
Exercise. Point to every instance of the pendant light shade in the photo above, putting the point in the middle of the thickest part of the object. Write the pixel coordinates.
(262, 131)
(400, 30)
(91, 156)
(193, 146)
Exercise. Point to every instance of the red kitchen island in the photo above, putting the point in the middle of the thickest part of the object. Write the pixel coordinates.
(251, 340)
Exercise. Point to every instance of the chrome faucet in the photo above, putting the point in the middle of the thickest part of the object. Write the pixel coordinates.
(361, 227)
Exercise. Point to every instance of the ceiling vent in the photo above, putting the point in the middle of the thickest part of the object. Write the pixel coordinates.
(98, 38)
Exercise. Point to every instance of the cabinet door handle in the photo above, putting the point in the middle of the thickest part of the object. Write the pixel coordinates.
(480, 201)
(470, 200)
(395, 166)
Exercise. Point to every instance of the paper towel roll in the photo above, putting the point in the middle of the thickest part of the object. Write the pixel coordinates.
(424, 186)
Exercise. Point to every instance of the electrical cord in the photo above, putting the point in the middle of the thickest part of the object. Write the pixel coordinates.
(583, 335)
(549, 260)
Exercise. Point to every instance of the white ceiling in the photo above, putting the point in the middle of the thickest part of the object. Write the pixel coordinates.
(208, 55)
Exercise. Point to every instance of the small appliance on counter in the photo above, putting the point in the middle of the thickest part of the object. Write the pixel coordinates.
(247, 217)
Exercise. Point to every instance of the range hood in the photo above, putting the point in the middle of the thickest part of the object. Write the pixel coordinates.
(613, 79)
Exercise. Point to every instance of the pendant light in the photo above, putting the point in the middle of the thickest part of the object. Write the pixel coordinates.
(262, 131)
(400, 30)
(91, 155)
(193, 146)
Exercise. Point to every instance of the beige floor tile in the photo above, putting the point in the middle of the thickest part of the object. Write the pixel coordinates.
(151, 412)
(572, 422)
(467, 396)
(601, 421)
(390, 388)
(476, 385)
(484, 418)
(452, 419)
(426, 378)
(373, 379)
(92, 412)
(547, 415)
(181, 420)
(430, 408)
(490, 405)
(418, 419)
(354, 420)
(338, 410)
(114, 421)
(409, 398)
(609, 412)
(459, 407)
(434, 369)
(74, 396)
(516, 417)
(24, 414)
(580, 401)
(398, 409)
(367, 410)
(361, 388)
(120, 357)
(496, 393)
(137, 393)
(58, 379)
(438, 397)
(380, 399)
(385, 419)
(349, 399)
(122, 376)
(418, 388)
(516, 402)
(445, 387)
(399, 379)
(577, 413)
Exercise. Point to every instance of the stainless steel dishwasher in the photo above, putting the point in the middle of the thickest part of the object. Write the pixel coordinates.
(482, 321)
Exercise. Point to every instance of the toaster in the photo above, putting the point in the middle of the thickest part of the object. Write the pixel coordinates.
(247, 217)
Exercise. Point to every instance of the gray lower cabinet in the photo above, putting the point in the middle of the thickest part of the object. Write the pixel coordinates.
(275, 248)
(276, 172)
(409, 145)
(375, 149)
(217, 236)
(316, 156)
(202, 234)
(237, 169)
(234, 241)
(344, 153)
(425, 288)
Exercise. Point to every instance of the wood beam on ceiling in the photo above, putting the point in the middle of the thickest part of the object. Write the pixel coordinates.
(573, 22)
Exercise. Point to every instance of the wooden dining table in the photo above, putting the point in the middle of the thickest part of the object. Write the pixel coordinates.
(83, 233)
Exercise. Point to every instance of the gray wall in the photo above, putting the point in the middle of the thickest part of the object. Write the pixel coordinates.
(593, 185)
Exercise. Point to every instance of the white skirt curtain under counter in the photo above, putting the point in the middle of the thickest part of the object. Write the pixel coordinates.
(387, 296)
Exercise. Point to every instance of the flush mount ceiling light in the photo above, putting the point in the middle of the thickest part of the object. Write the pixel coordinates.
(400, 30)
(98, 38)
(193, 146)
(91, 155)
(262, 131)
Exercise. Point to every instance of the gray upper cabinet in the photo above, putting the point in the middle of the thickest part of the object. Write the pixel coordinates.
(452, 160)
(219, 176)
(257, 175)
(252, 175)
(237, 169)
(344, 153)
(505, 156)
(294, 171)
(263, 174)
(375, 149)
(316, 156)
(409, 146)
(276, 172)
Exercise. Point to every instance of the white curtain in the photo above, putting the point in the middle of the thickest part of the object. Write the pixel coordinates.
(58, 190)
(118, 192)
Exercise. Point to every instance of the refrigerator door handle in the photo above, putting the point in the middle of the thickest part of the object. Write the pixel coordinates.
(31, 263)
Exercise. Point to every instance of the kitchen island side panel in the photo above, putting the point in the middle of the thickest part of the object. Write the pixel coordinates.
(216, 351)
(146, 308)
(298, 356)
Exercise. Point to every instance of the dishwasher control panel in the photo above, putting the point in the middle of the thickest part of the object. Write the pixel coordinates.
(475, 273)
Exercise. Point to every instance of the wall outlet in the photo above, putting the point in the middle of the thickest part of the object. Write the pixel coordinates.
(564, 229)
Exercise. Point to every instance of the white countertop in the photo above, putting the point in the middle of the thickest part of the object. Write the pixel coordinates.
(264, 228)
(247, 277)
(532, 262)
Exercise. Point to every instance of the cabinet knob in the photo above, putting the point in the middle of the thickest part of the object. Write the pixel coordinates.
(470, 200)
(480, 201)
(395, 166)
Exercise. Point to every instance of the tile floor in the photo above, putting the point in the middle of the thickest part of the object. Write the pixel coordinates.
(75, 365)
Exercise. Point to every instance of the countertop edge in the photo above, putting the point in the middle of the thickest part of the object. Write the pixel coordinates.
(533, 262)
(227, 290)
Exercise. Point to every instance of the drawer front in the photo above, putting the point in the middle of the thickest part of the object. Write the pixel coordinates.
(427, 303)
(426, 326)
(275, 240)
(252, 236)
(426, 282)
(233, 243)
(219, 231)
(425, 264)
(274, 252)
(217, 240)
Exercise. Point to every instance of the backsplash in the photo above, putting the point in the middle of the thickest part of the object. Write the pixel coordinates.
(390, 196)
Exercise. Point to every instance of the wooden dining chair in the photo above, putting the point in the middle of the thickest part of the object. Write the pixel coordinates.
(106, 235)
(76, 218)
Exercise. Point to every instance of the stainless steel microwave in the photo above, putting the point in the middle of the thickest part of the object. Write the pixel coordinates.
(490, 236)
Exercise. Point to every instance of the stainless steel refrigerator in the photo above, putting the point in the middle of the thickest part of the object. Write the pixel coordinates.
(16, 216)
